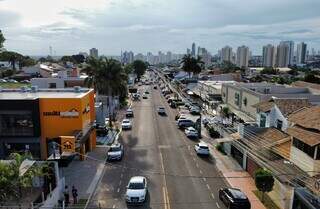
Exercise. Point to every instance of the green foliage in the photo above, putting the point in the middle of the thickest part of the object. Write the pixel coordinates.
(269, 71)
(311, 78)
(139, 67)
(26, 61)
(107, 76)
(2, 39)
(65, 59)
(229, 67)
(11, 57)
(191, 64)
(264, 181)
(11, 182)
(219, 147)
(225, 111)
(212, 132)
(128, 69)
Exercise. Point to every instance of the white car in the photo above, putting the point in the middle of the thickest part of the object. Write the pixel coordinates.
(202, 149)
(126, 124)
(129, 113)
(137, 190)
(191, 132)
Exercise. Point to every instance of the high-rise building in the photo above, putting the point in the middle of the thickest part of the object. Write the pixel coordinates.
(193, 52)
(139, 57)
(242, 56)
(127, 57)
(290, 45)
(269, 55)
(188, 51)
(301, 53)
(283, 54)
(169, 56)
(226, 54)
(94, 53)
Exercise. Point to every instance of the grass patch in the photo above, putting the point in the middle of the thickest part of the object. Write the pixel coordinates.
(268, 203)
(14, 85)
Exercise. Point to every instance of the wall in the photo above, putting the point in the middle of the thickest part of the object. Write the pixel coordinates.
(54, 196)
(303, 161)
(44, 82)
(251, 100)
(281, 195)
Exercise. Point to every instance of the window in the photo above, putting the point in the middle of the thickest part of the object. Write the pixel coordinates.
(52, 85)
(263, 120)
(279, 124)
(237, 99)
(267, 90)
(245, 101)
(16, 123)
(309, 150)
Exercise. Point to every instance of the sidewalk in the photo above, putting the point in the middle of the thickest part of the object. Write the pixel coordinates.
(84, 175)
(230, 168)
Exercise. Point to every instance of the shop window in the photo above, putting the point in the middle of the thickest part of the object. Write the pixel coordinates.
(16, 123)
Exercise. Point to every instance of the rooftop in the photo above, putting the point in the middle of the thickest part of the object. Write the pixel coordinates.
(286, 105)
(309, 137)
(307, 117)
(29, 94)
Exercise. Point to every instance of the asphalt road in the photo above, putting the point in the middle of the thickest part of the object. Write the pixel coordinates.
(155, 148)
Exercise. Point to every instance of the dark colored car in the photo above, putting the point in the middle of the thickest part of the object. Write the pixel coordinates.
(101, 130)
(234, 198)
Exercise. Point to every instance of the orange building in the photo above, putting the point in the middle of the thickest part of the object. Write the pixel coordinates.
(57, 121)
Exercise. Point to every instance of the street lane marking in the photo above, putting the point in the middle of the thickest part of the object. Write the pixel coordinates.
(208, 186)
(121, 175)
(201, 172)
(212, 195)
(118, 190)
(165, 189)
(197, 165)
(194, 158)
(113, 206)
(204, 179)
(217, 204)
(120, 183)
(189, 148)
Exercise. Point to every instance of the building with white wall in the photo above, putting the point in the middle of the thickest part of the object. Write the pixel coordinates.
(242, 56)
(226, 54)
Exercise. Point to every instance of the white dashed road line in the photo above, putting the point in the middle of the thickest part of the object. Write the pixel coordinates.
(212, 195)
(208, 186)
(118, 190)
(217, 204)
(204, 179)
(201, 172)
(113, 206)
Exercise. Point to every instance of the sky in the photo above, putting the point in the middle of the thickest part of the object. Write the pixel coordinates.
(112, 26)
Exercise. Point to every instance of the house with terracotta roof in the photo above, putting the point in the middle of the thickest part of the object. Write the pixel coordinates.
(305, 133)
(274, 112)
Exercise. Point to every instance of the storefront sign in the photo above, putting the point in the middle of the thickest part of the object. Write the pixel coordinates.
(73, 113)
(68, 144)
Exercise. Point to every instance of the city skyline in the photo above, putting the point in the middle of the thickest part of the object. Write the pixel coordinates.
(108, 26)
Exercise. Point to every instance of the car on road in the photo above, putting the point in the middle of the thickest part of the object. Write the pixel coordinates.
(191, 132)
(202, 148)
(101, 130)
(161, 111)
(144, 96)
(12, 81)
(146, 92)
(184, 123)
(126, 124)
(115, 152)
(129, 113)
(137, 190)
(136, 96)
(3, 81)
(234, 198)
(155, 87)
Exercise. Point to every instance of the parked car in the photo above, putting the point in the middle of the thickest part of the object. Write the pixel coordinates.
(115, 152)
(202, 148)
(101, 130)
(161, 111)
(234, 198)
(3, 81)
(144, 96)
(191, 132)
(195, 111)
(155, 87)
(126, 124)
(136, 96)
(129, 113)
(146, 92)
(12, 81)
(137, 190)
(185, 123)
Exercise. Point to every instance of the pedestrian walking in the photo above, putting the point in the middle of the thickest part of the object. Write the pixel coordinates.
(66, 196)
(74, 195)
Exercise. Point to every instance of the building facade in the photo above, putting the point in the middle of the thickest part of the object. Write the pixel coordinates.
(243, 55)
(94, 53)
(301, 53)
(269, 56)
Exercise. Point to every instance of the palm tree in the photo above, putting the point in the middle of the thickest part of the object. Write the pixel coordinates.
(187, 64)
(191, 64)
(107, 77)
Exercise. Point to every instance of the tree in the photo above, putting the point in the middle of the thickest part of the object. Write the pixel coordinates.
(229, 67)
(2, 39)
(139, 68)
(107, 77)
(65, 59)
(191, 64)
(11, 57)
(269, 71)
(78, 58)
(311, 78)
(128, 69)
(12, 181)
(26, 61)
(225, 112)
(264, 181)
